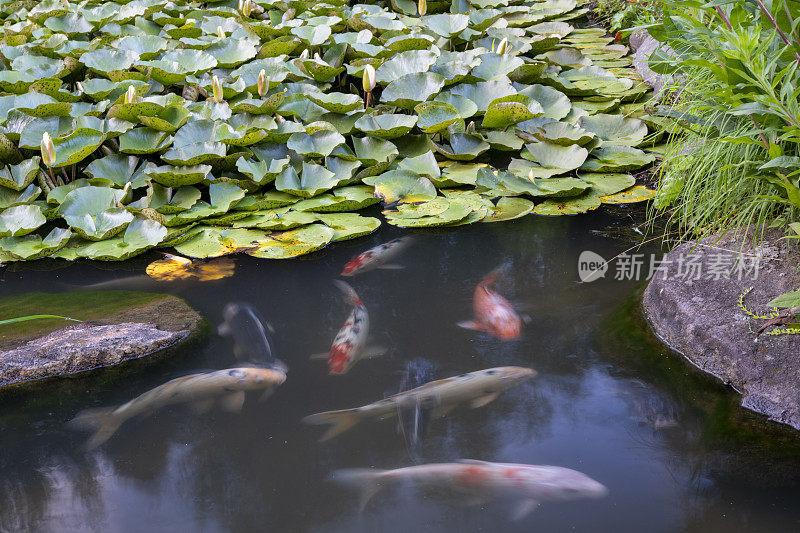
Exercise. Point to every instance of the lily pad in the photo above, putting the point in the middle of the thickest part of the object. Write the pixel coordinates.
(386, 126)
(402, 186)
(639, 193)
(294, 243)
(349, 225)
(20, 220)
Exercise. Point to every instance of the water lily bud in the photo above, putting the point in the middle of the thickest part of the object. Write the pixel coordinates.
(245, 7)
(48, 150)
(289, 14)
(216, 87)
(220, 32)
(368, 80)
(79, 86)
(501, 48)
(304, 54)
(471, 127)
(492, 50)
(317, 56)
(422, 7)
(130, 95)
(262, 83)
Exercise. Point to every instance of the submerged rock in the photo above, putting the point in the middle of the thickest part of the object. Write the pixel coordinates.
(693, 306)
(131, 332)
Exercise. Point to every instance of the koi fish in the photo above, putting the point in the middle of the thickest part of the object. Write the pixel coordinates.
(349, 345)
(377, 257)
(227, 387)
(250, 334)
(413, 421)
(493, 314)
(442, 396)
(481, 482)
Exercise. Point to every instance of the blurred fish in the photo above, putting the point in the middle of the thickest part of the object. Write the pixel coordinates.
(442, 396)
(493, 314)
(349, 344)
(249, 330)
(226, 387)
(650, 407)
(377, 257)
(480, 482)
(412, 421)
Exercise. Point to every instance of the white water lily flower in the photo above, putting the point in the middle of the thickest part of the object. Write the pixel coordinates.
(368, 80)
(216, 87)
(130, 95)
(262, 83)
(48, 150)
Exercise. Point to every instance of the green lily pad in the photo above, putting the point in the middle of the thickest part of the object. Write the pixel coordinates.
(318, 144)
(20, 220)
(349, 225)
(18, 177)
(386, 126)
(144, 141)
(294, 243)
(463, 147)
(605, 184)
(572, 206)
(409, 90)
(617, 159)
(140, 235)
(337, 102)
(639, 193)
(373, 151)
(506, 111)
(195, 154)
(117, 170)
(312, 180)
(436, 116)
(178, 176)
(402, 186)
(32, 247)
(615, 130)
(509, 209)
(262, 171)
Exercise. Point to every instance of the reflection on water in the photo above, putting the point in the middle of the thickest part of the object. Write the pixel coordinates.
(671, 447)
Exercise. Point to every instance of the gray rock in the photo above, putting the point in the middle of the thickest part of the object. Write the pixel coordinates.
(701, 319)
(130, 334)
(644, 46)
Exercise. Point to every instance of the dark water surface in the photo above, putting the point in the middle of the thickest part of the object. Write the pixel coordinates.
(672, 447)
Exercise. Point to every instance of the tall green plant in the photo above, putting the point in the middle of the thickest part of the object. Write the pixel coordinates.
(741, 60)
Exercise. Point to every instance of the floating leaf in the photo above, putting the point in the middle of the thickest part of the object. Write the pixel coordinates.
(294, 243)
(402, 186)
(349, 225)
(436, 116)
(20, 220)
(509, 209)
(639, 193)
(176, 268)
(386, 126)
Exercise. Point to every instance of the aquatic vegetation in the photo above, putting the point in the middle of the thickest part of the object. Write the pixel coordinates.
(141, 125)
(33, 317)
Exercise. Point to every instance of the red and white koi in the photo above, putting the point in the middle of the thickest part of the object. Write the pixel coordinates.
(349, 345)
(493, 314)
(481, 482)
(377, 257)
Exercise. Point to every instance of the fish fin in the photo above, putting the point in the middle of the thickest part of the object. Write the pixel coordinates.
(340, 421)
(266, 394)
(202, 406)
(373, 351)
(526, 319)
(471, 324)
(366, 480)
(523, 509)
(483, 400)
(474, 462)
(318, 356)
(391, 266)
(224, 329)
(102, 421)
(233, 402)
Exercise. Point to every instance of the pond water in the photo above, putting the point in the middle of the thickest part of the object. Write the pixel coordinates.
(671, 446)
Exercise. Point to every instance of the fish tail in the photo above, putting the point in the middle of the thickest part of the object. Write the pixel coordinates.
(340, 421)
(102, 421)
(348, 291)
(368, 481)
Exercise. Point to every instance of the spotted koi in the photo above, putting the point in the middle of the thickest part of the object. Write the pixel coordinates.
(377, 257)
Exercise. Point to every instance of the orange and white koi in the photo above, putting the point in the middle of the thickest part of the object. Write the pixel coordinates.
(441, 396)
(377, 257)
(493, 314)
(349, 345)
(228, 387)
(481, 482)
